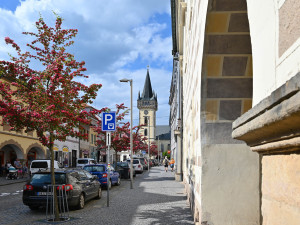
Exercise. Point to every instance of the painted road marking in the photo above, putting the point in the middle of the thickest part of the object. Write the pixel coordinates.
(7, 194)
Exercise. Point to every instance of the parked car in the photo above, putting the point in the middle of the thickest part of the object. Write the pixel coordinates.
(151, 163)
(80, 186)
(138, 166)
(124, 169)
(155, 162)
(100, 170)
(42, 165)
(81, 162)
(143, 161)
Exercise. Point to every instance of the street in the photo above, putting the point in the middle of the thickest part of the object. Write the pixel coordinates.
(156, 199)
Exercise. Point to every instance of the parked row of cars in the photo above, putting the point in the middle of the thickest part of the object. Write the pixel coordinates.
(80, 184)
(140, 163)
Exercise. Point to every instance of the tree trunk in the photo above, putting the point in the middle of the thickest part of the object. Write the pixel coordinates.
(56, 212)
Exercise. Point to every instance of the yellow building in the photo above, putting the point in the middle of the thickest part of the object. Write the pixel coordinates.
(21, 145)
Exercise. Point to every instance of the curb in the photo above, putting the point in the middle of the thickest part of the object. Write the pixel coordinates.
(15, 182)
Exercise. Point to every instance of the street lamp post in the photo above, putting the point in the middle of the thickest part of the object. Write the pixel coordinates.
(131, 142)
(148, 122)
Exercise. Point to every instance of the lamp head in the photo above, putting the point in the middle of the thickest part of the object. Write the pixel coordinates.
(125, 80)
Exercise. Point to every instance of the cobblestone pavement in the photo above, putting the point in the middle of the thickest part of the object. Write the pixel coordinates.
(156, 199)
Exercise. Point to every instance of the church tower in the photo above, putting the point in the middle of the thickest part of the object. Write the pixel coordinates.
(147, 105)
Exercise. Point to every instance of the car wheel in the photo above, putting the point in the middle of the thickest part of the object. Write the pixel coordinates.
(99, 193)
(81, 202)
(33, 207)
(119, 181)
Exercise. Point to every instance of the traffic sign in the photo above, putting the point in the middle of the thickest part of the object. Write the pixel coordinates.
(109, 121)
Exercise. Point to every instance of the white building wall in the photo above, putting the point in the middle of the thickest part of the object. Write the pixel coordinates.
(71, 144)
(192, 67)
(270, 68)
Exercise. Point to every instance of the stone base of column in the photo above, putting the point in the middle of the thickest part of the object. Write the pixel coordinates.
(178, 177)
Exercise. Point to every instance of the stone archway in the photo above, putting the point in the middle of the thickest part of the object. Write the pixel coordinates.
(34, 151)
(11, 151)
(226, 93)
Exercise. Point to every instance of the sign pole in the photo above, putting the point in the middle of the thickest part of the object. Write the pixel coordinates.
(108, 139)
(108, 125)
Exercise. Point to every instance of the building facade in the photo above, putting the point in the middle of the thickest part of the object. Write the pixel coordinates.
(213, 63)
(24, 146)
(272, 126)
(238, 61)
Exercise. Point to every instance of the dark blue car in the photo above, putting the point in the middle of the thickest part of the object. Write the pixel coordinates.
(100, 170)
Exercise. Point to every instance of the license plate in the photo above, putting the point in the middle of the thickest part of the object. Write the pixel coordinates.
(44, 193)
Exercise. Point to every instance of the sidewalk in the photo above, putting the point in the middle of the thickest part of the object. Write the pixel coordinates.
(4, 182)
(165, 201)
(156, 198)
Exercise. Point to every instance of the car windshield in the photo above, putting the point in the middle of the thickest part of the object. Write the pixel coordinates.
(94, 168)
(135, 161)
(39, 165)
(45, 178)
(142, 161)
(122, 164)
(82, 161)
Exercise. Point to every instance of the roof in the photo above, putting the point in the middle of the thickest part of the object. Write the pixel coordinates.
(148, 93)
(173, 18)
(166, 136)
(162, 129)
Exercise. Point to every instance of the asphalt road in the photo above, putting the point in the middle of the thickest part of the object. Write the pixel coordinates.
(156, 199)
(13, 211)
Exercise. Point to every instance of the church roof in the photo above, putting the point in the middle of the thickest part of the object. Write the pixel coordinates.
(166, 136)
(148, 93)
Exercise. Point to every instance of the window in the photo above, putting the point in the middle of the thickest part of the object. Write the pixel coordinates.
(145, 132)
(89, 176)
(45, 178)
(82, 175)
(95, 168)
(145, 120)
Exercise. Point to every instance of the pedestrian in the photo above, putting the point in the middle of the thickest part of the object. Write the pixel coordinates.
(66, 164)
(24, 170)
(7, 165)
(166, 163)
(18, 166)
(172, 163)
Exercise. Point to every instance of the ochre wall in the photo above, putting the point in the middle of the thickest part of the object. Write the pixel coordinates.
(281, 189)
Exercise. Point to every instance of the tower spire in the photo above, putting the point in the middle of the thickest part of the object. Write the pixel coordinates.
(147, 92)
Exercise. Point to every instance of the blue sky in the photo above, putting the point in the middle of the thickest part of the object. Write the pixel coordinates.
(117, 39)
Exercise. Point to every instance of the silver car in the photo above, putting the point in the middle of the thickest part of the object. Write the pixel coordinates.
(137, 164)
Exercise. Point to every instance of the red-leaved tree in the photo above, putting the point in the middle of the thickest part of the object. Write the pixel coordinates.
(46, 99)
(139, 141)
(153, 149)
(120, 139)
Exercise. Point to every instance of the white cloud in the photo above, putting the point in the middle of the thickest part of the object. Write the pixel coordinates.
(112, 35)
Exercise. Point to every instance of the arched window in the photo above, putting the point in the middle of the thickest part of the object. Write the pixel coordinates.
(145, 132)
(145, 120)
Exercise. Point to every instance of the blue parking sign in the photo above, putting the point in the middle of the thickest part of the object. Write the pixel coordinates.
(109, 121)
